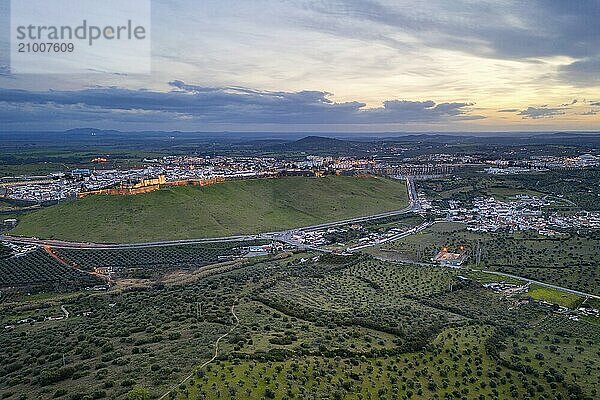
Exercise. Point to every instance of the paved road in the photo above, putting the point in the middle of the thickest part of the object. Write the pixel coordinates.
(560, 288)
(277, 235)
(287, 236)
(284, 236)
(411, 231)
(62, 244)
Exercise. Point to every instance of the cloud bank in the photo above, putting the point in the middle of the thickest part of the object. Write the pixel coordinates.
(217, 105)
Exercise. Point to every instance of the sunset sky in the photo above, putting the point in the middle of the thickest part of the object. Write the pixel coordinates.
(339, 65)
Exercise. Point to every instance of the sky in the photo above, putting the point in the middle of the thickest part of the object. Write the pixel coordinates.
(334, 66)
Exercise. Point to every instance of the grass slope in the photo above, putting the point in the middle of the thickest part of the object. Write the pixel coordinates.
(240, 207)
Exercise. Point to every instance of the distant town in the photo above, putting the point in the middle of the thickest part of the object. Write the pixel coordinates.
(520, 214)
(169, 171)
(202, 170)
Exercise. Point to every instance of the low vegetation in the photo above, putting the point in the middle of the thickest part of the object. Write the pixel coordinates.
(37, 271)
(150, 261)
(310, 326)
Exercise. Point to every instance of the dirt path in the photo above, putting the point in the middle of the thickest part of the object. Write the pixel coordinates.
(69, 264)
(214, 357)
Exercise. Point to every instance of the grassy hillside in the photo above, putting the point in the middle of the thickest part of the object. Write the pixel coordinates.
(230, 208)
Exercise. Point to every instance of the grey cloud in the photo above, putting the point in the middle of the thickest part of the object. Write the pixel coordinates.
(510, 30)
(509, 110)
(404, 110)
(569, 104)
(542, 112)
(585, 72)
(47, 113)
(221, 105)
(591, 112)
(5, 70)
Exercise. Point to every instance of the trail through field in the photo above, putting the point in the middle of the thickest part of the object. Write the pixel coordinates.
(214, 357)
(237, 322)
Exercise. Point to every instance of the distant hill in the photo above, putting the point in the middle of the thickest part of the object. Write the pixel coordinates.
(311, 141)
(355, 144)
(316, 144)
(230, 208)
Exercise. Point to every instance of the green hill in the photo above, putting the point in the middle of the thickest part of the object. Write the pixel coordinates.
(230, 208)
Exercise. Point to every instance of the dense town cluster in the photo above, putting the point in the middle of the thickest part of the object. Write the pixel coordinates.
(522, 214)
(61, 186)
(65, 185)
(542, 163)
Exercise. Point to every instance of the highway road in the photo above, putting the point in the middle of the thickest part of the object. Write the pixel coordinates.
(408, 232)
(413, 206)
(284, 236)
(62, 244)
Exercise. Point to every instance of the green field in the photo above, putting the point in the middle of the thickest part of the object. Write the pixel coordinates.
(554, 296)
(230, 208)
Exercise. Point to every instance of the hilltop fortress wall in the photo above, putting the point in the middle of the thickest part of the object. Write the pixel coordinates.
(150, 185)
